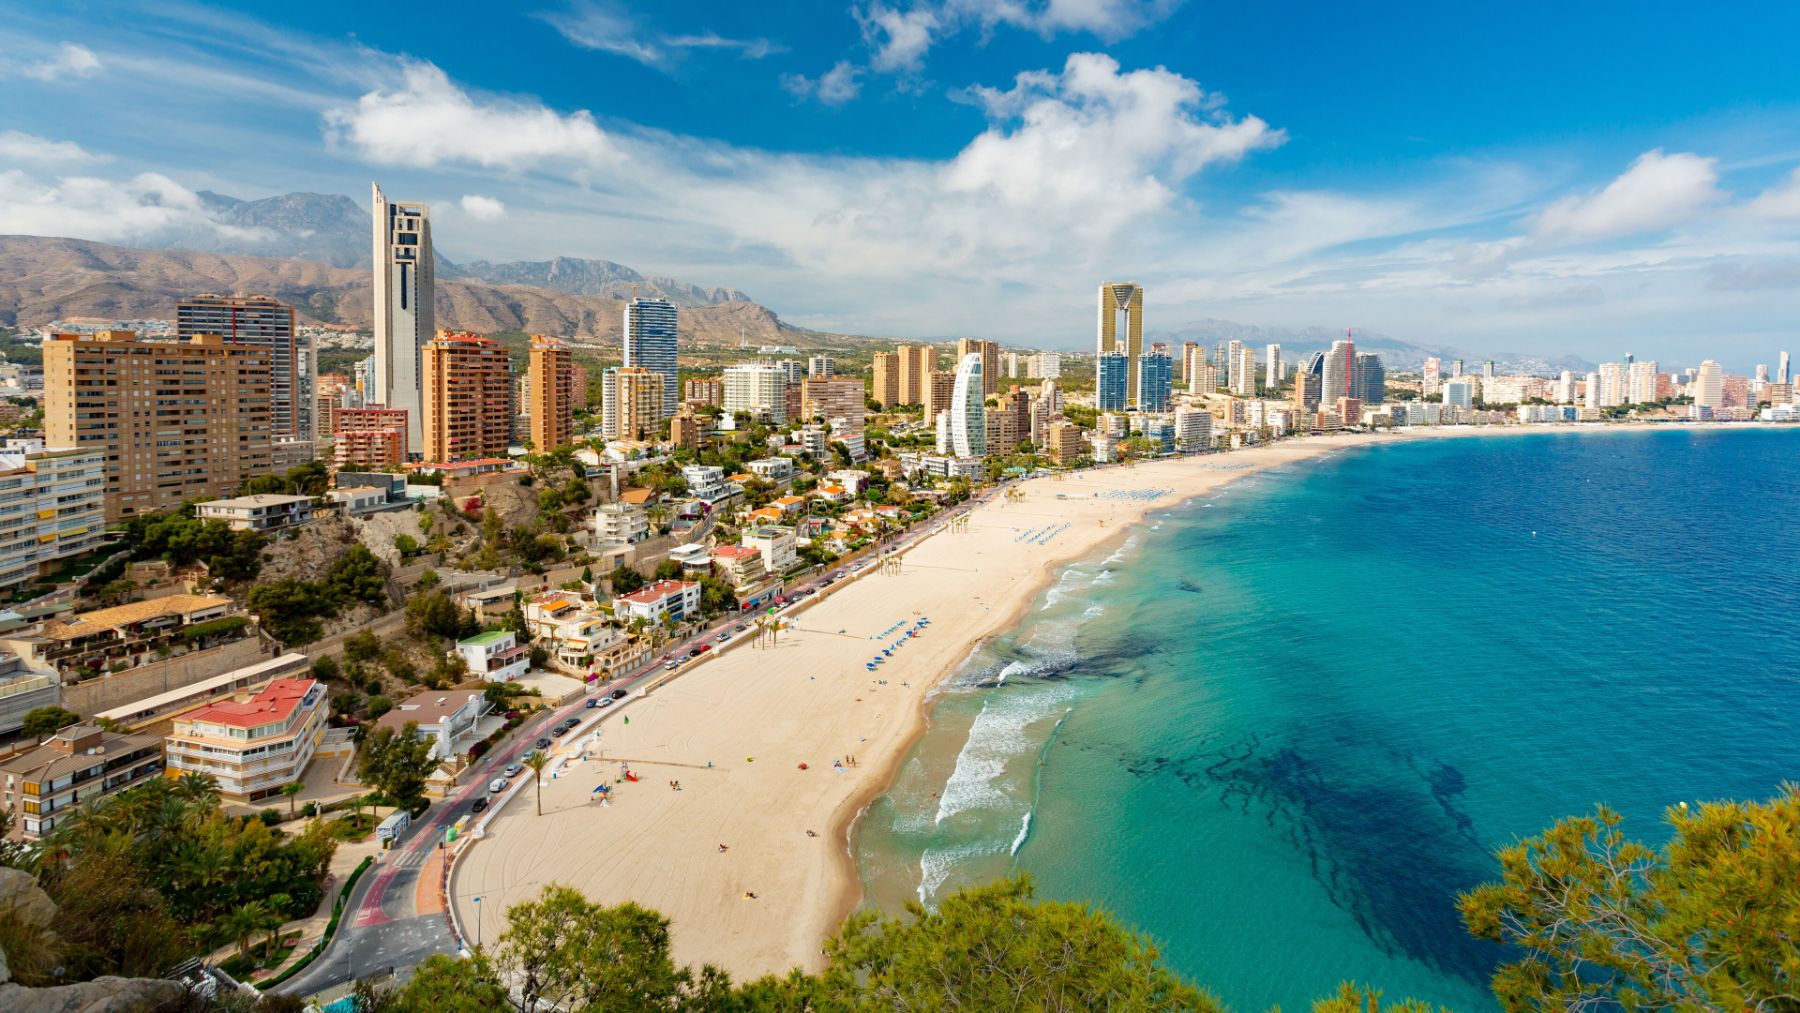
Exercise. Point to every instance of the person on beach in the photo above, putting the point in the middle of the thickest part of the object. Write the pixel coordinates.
(723, 849)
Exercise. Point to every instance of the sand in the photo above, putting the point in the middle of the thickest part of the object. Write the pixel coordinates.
(735, 728)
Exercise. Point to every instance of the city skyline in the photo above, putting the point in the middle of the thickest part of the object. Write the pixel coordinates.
(826, 164)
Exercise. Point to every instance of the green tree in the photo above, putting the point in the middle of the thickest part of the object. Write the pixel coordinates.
(42, 722)
(444, 984)
(292, 790)
(362, 645)
(624, 579)
(356, 576)
(397, 763)
(288, 609)
(1706, 922)
(325, 667)
(537, 761)
(562, 952)
(406, 544)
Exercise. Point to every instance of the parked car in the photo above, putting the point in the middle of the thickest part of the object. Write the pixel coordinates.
(542, 743)
(592, 703)
(618, 694)
(514, 770)
(740, 627)
(603, 702)
(480, 804)
(669, 666)
(695, 653)
(703, 648)
(497, 785)
(721, 638)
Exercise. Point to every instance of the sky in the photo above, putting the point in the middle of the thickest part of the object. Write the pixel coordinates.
(1588, 179)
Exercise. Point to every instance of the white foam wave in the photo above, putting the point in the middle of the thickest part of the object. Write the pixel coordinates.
(1103, 577)
(1024, 832)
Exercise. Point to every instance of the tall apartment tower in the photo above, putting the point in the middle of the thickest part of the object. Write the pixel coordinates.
(264, 322)
(650, 343)
(1156, 373)
(175, 421)
(990, 361)
(405, 318)
(1781, 370)
(1708, 388)
(1122, 328)
(631, 403)
(759, 389)
(550, 376)
(468, 398)
(1272, 366)
(1340, 370)
(1243, 371)
(916, 364)
(885, 387)
(1369, 383)
(968, 416)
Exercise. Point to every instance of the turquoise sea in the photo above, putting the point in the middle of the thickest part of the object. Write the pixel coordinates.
(1280, 728)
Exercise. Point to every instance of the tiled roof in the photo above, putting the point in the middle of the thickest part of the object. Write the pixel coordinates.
(271, 704)
(656, 592)
(86, 623)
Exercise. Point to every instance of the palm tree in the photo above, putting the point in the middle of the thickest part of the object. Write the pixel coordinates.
(244, 923)
(198, 789)
(292, 790)
(537, 762)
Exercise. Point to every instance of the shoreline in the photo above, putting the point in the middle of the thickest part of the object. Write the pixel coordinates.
(766, 903)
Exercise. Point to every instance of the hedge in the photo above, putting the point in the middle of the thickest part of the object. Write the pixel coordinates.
(337, 911)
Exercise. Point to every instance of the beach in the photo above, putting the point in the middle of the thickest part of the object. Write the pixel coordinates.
(750, 857)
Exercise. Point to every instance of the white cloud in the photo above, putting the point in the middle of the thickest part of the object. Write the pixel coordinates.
(16, 147)
(749, 49)
(429, 121)
(836, 86)
(149, 207)
(69, 60)
(1657, 192)
(1780, 202)
(606, 26)
(898, 38)
(480, 208)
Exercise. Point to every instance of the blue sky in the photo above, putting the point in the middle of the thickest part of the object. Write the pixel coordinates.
(1594, 178)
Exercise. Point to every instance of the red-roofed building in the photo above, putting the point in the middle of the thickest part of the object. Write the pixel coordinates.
(676, 599)
(738, 564)
(253, 745)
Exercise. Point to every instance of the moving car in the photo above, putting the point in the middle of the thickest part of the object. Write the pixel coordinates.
(740, 627)
(703, 648)
(603, 702)
(669, 666)
(592, 703)
(480, 804)
(497, 785)
(618, 694)
(514, 770)
(543, 743)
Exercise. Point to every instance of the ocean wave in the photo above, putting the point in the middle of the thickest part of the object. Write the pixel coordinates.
(1103, 577)
(996, 738)
(1024, 832)
(1120, 553)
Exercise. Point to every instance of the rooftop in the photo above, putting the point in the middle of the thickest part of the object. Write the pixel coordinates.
(258, 500)
(483, 639)
(656, 592)
(428, 708)
(47, 762)
(84, 624)
(736, 552)
(273, 703)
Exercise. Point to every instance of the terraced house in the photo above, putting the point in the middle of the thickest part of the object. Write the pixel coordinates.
(255, 745)
(125, 636)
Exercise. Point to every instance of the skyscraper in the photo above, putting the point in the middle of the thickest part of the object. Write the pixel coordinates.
(1243, 370)
(631, 400)
(1156, 375)
(1431, 377)
(968, 416)
(405, 318)
(468, 398)
(759, 389)
(1640, 382)
(916, 362)
(1709, 386)
(990, 361)
(1460, 393)
(1369, 384)
(1112, 382)
(551, 376)
(1565, 388)
(651, 343)
(1122, 328)
(885, 389)
(1272, 366)
(1781, 370)
(1340, 369)
(264, 322)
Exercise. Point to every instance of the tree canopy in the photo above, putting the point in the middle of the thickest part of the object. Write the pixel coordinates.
(397, 763)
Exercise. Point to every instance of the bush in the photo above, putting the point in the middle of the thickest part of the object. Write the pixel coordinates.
(478, 750)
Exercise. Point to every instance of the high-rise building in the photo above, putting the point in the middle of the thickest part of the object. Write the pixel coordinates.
(1369, 385)
(704, 392)
(405, 315)
(631, 400)
(1193, 430)
(1156, 375)
(1122, 328)
(1456, 367)
(821, 367)
(468, 398)
(578, 382)
(885, 388)
(1340, 370)
(1460, 393)
(1272, 367)
(938, 389)
(1640, 383)
(371, 438)
(1009, 424)
(1708, 387)
(1487, 370)
(1193, 358)
(1781, 370)
(1112, 382)
(916, 364)
(1243, 370)
(268, 323)
(1309, 384)
(552, 381)
(1431, 378)
(759, 389)
(175, 421)
(967, 418)
(1591, 394)
(52, 506)
(651, 327)
(830, 399)
(1614, 384)
(990, 361)
(1565, 388)
(1049, 366)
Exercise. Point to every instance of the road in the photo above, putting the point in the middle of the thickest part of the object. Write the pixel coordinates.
(384, 925)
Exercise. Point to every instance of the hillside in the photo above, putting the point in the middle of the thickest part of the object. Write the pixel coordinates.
(45, 279)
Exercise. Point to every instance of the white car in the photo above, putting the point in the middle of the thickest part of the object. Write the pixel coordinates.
(496, 786)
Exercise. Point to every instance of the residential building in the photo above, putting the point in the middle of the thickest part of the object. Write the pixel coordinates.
(371, 438)
(989, 354)
(1193, 430)
(1048, 365)
(1460, 393)
(1339, 371)
(1431, 377)
(1122, 330)
(885, 386)
(939, 388)
(261, 512)
(777, 543)
(264, 322)
(551, 375)
(651, 342)
(174, 421)
(916, 364)
(758, 390)
(1112, 383)
(1615, 384)
(52, 507)
(1308, 385)
(405, 297)
(631, 400)
(967, 419)
(450, 719)
(707, 482)
(1272, 367)
(368, 492)
(77, 764)
(678, 600)
(468, 398)
(820, 367)
(841, 398)
(1782, 373)
(579, 639)
(621, 524)
(1155, 381)
(1640, 383)
(1242, 375)
(1064, 443)
(126, 634)
(739, 565)
(495, 655)
(1370, 380)
(773, 469)
(255, 745)
(704, 392)
(23, 690)
(1708, 388)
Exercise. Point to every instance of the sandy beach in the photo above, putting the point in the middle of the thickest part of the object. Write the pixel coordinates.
(736, 728)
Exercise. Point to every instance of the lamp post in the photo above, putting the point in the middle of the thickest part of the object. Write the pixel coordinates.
(477, 901)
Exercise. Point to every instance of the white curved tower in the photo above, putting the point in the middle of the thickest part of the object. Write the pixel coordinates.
(968, 410)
